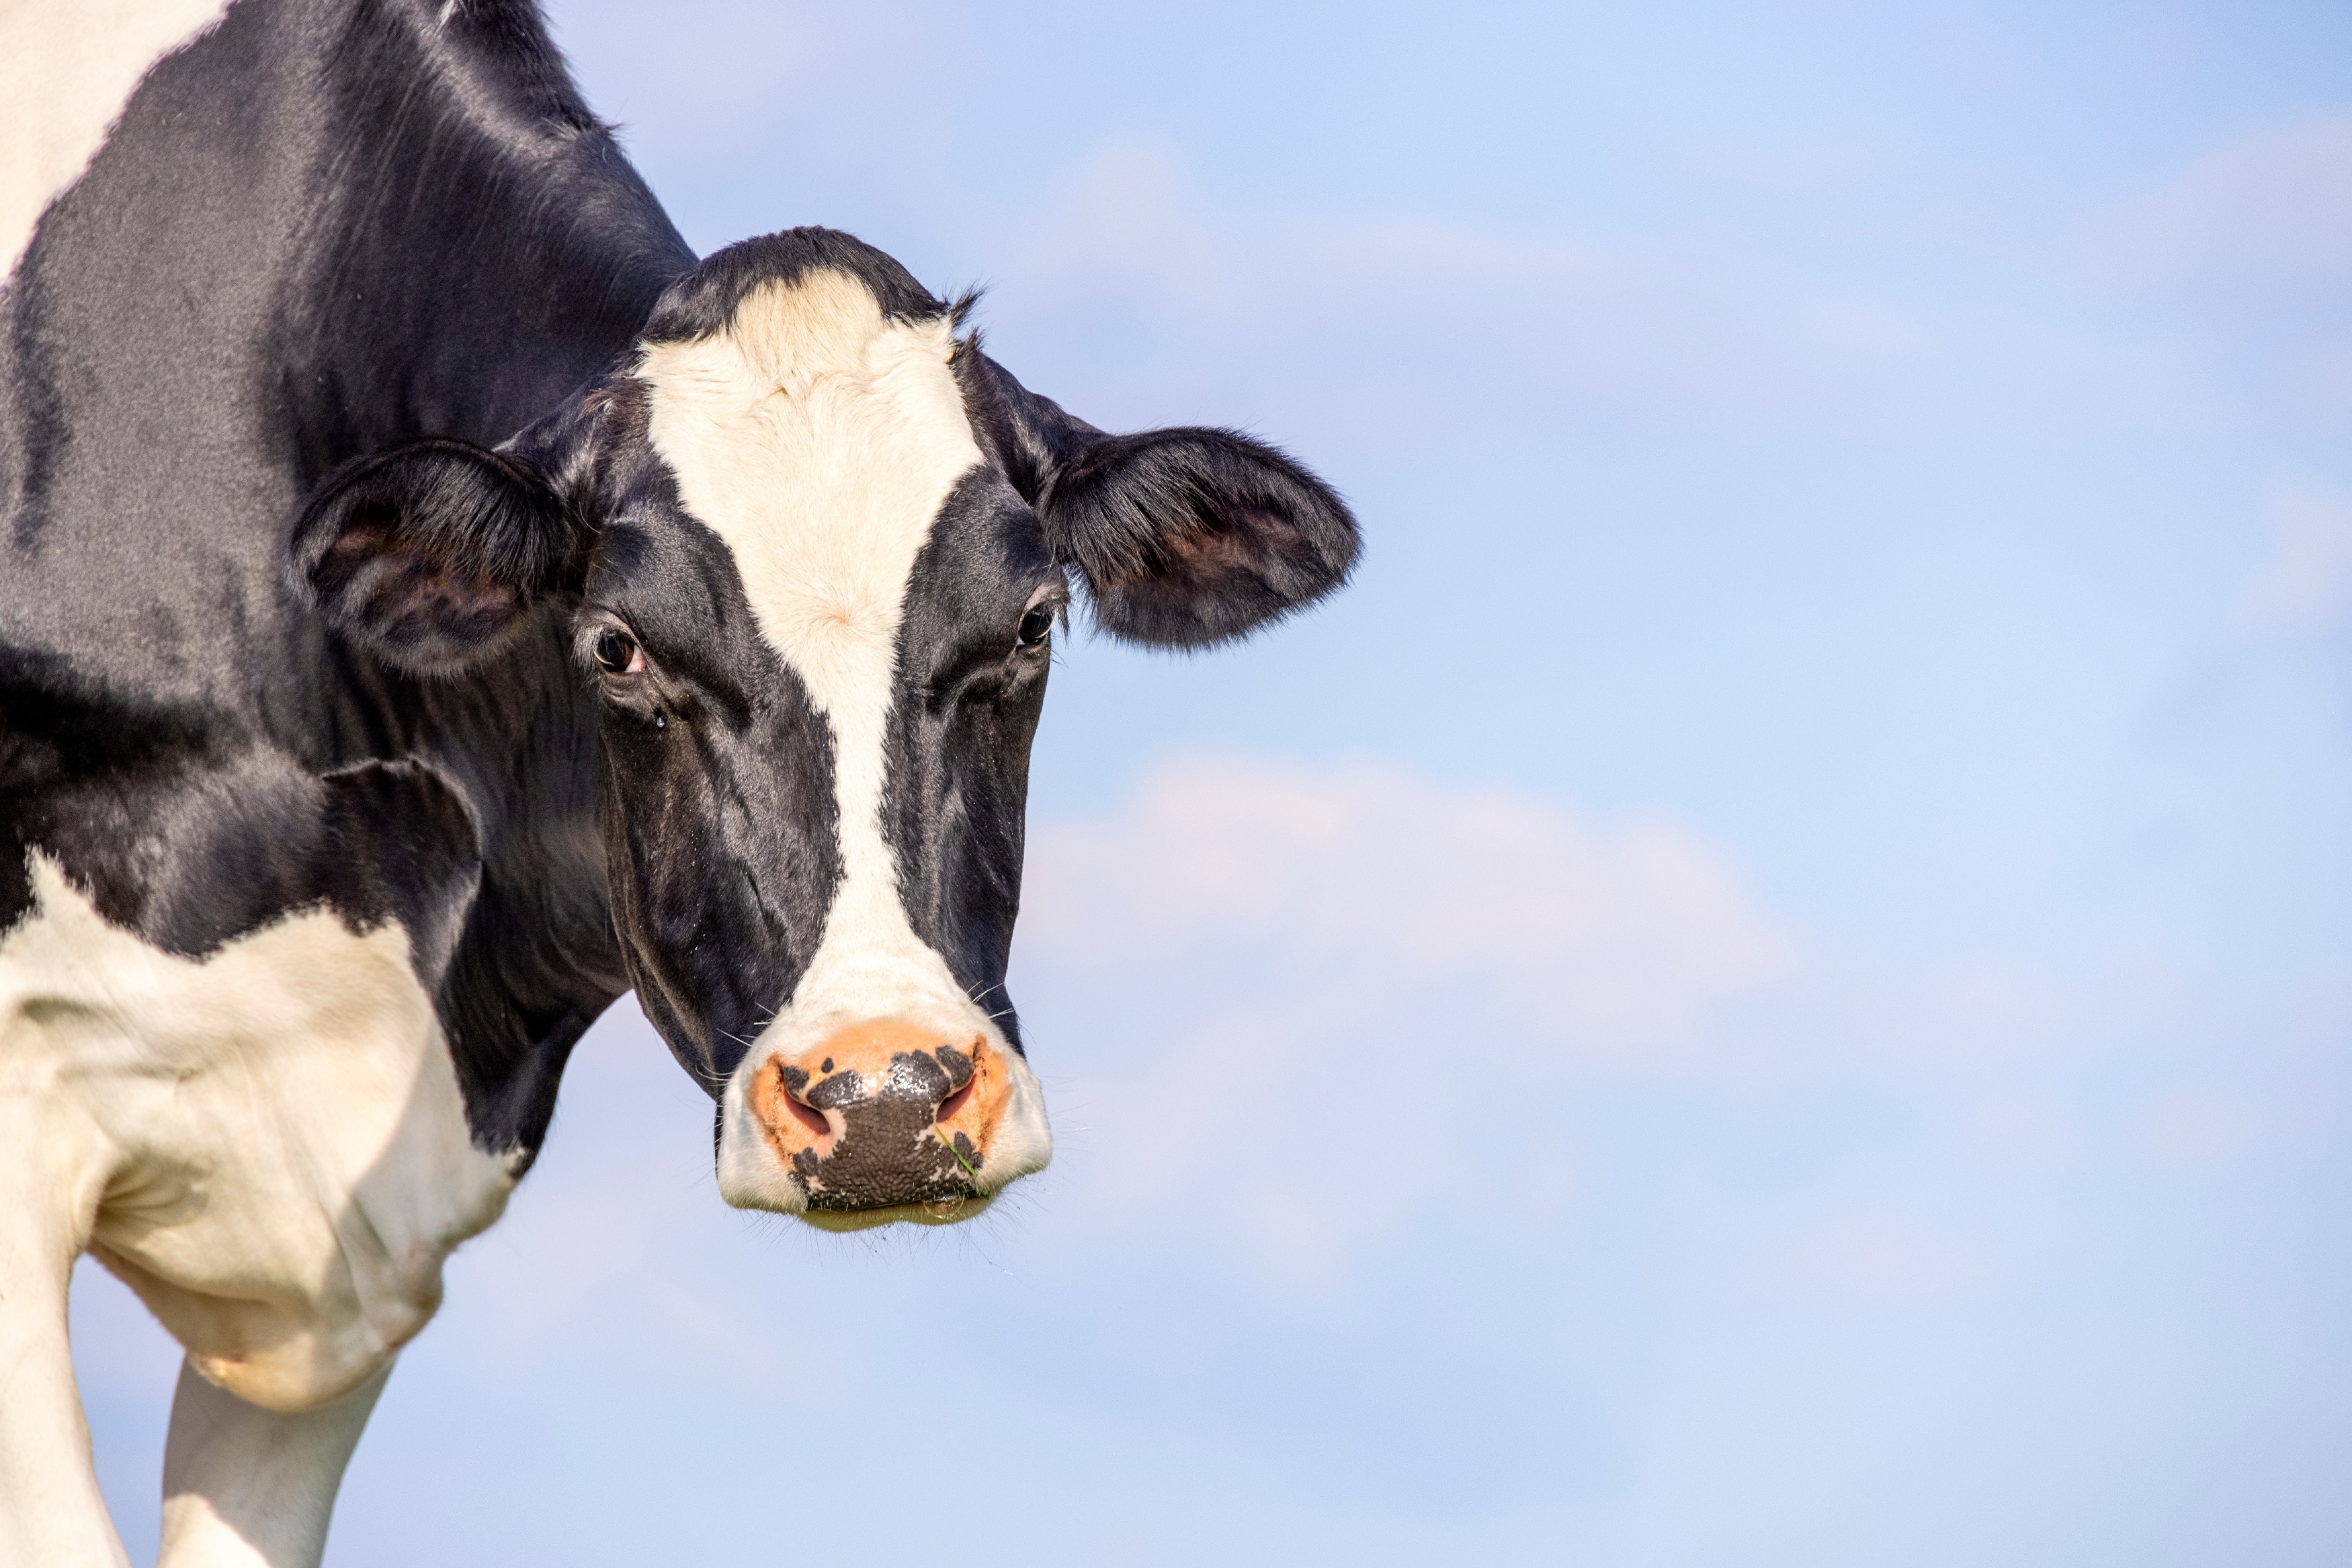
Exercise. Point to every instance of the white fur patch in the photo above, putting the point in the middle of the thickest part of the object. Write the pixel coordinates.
(66, 68)
(276, 1130)
(819, 439)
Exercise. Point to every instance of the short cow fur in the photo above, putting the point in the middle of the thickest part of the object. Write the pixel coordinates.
(433, 602)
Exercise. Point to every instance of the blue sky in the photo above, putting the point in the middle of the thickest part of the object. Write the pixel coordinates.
(1771, 986)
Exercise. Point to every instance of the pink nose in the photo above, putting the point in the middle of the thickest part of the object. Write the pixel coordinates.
(884, 1115)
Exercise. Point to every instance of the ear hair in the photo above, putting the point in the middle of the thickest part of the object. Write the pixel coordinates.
(427, 555)
(1183, 538)
(1033, 434)
(1190, 536)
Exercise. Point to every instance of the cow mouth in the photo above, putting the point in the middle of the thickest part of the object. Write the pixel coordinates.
(942, 1211)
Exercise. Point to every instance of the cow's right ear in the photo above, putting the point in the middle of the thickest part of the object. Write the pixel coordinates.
(428, 555)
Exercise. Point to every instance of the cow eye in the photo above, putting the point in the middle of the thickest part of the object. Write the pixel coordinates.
(617, 654)
(1036, 626)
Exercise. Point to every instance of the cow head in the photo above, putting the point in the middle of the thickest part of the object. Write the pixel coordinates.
(811, 548)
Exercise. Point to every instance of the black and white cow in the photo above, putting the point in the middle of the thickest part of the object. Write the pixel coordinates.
(433, 602)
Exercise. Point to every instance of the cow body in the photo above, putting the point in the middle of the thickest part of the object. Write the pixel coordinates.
(432, 602)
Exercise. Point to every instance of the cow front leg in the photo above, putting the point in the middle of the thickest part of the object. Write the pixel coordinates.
(248, 1488)
(50, 1508)
(51, 1511)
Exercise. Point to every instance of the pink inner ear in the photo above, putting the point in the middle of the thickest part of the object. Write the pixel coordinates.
(446, 597)
(415, 586)
(416, 591)
(367, 533)
(1241, 543)
(1211, 550)
(473, 596)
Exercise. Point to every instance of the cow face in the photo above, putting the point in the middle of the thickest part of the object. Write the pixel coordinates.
(813, 548)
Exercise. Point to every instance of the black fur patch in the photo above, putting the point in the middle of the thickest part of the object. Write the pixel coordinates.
(963, 711)
(719, 823)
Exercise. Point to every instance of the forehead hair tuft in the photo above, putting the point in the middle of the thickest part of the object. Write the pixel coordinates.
(705, 301)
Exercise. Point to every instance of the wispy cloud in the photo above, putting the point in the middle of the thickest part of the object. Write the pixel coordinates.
(2305, 581)
(1405, 331)
(2247, 254)
(1358, 962)
(2199, 1128)
(1873, 1262)
(1853, 304)
(2270, 211)
(1370, 963)
(1634, 928)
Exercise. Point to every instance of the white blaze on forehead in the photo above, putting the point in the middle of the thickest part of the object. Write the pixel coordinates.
(818, 438)
(66, 72)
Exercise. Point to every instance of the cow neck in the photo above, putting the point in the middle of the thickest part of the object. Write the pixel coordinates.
(358, 224)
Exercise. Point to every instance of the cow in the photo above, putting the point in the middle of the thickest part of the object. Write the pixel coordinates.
(433, 602)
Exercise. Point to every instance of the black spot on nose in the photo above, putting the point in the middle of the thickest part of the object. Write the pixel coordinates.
(916, 1075)
(838, 1092)
(890, 1152)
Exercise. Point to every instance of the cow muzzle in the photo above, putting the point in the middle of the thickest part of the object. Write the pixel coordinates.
(885, 1120)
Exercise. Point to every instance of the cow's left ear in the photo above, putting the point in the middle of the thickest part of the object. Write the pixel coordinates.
(428, 555)
(1184, 537)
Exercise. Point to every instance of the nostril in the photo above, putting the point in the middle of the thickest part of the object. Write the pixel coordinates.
(794, 1082)
(954, 1102)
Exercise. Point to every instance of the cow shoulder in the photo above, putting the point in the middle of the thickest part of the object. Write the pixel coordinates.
(66, 72)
